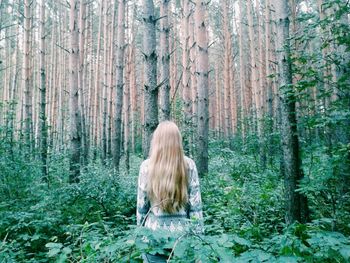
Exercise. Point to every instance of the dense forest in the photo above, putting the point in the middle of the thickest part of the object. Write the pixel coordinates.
(260, 90)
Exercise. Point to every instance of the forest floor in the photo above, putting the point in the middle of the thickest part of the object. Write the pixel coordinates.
(94, 220)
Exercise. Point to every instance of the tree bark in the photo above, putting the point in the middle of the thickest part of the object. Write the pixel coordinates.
(202, 73)
(165, 61)
(97, 98)
(74, 109)
(43, 118)
(150, 73)
(119, 82)
(227, 70)
(28, 93)
(82, 83)
(296, 203)
(242, 77)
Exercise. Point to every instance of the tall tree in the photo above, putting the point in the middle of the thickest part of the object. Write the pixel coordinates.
(119, 81)
(242, 76)
(43, 120)
(82, 78)
(202, 72)
(227, 73)
(186, 76)
(105, 89)
(28, 92)
(150, 74)
(97, 100)
(165, 61)
(74, 109)
(296, 203)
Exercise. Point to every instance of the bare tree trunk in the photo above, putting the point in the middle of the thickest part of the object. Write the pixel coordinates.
(74, 109)
(119, 82)
(111, 84)
(218, 100)
(150, 69)
(105, 84)
(133, 88)
(227, 75)
(43, 119)
(126, 106)
(202, 71)
(243, 103)
(165, 61)
(81, 75)
(192, 46)
(296, 203)
(97, 101)
(28, 93)
(186, 76)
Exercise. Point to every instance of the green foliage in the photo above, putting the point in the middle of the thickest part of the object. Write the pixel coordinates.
(93, 221)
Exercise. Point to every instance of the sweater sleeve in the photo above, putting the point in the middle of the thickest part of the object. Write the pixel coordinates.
(143, 203)
(195, 199)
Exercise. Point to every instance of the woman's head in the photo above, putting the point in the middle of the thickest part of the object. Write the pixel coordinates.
(167, 168)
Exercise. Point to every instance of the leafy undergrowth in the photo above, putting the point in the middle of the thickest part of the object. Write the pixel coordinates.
(94, 221)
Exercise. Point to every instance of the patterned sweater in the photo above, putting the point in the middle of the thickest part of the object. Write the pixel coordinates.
(158, 219)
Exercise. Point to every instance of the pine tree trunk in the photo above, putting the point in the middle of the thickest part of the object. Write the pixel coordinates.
(192, 47)
(28, 93)
(227, 71)
(97, 101)
(296, 203)
(74, 109)
(110, 137)
(43, 121)
(119, 82)
(105, 84)
(242, 77)
(165, 61)
(150, 72)
(186, 76)
(202, 72)
(81, 75)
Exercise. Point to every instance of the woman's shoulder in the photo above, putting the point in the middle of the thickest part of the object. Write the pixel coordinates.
(144, 168)
(144, 164)
(191, 164)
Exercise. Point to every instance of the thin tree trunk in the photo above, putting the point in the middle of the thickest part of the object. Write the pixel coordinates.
(105, 84)
(74, 109)
(97, 101)
(150, 69)
(296, 203)
(28, 93)
(202, 71)
(119, 82)
(165, 61)
(243, 103)
(186, 76)
(111, 83)
(81, 75)
(43, 119)
(133, 88)
(227, 75)
(192, 46)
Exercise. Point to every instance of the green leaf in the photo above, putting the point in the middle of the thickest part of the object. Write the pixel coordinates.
(180, 249)
(54, 245)
(345, 252)
(242, 241)
(66, 250)
(62, 258)
(53, 252)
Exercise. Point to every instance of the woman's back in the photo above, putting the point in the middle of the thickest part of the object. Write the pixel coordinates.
(151, 215)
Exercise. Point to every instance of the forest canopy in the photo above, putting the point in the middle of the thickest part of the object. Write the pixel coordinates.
(260, 90)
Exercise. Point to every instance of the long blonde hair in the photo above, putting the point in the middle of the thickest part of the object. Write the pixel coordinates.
(167, 184)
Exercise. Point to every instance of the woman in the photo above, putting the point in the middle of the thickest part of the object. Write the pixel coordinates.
(168, 186)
